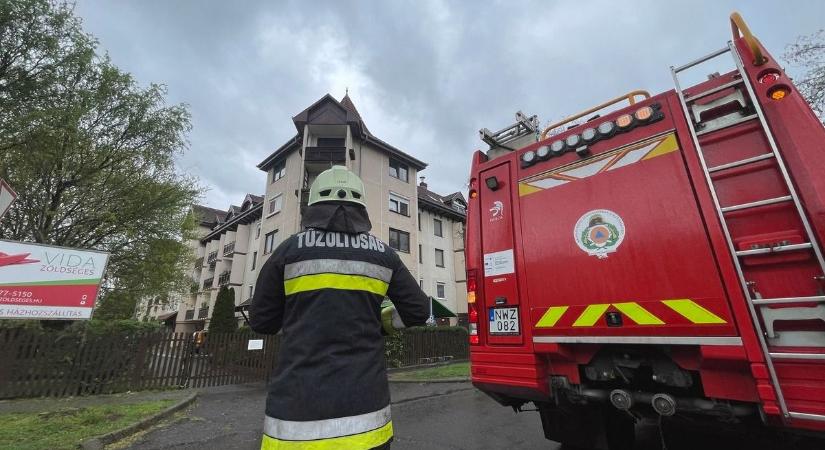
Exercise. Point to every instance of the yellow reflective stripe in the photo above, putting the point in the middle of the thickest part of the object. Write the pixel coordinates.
(362, 441)
(590, 315)
(692, 311)
(551, 316)
(334, 281)
(638, 314)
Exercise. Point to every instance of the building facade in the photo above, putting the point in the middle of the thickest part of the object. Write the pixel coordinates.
(235, 243)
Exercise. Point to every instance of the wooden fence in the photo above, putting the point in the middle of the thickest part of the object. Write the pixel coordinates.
(37, 364)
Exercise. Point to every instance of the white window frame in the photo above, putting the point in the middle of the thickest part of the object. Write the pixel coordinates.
(269, 244)
(278, 171)
(443, 258)
(443, 286)
(258, 231)
(278, 200)
(396, 201)
(398, 166)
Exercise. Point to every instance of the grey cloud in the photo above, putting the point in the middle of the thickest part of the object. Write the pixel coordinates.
(425, 75)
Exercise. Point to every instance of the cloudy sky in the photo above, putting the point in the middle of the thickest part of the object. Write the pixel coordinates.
(425, 75)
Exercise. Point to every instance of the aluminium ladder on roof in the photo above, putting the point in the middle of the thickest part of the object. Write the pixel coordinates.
(792, 196)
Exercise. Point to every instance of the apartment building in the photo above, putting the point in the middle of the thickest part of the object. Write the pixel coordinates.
(328, 132)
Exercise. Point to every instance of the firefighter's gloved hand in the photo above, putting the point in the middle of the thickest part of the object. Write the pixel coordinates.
(391, 320)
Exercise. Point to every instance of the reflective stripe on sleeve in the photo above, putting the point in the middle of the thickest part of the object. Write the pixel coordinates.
(335, 281)
(339, 266)
(362, 441)
(291, 430)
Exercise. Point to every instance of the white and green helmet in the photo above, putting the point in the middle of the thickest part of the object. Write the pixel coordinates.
(337, 184)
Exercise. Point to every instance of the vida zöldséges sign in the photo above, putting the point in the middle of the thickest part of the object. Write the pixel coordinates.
(44, 282)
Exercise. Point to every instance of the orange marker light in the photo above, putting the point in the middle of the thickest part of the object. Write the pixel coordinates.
(471, 297)
(644, 113)
(473, 194)
(624, 121)
(779, 93)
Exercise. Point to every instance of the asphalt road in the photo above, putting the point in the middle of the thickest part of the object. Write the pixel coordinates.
(434, 416)
(424, 416)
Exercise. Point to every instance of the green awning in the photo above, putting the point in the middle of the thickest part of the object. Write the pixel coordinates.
(440, 311)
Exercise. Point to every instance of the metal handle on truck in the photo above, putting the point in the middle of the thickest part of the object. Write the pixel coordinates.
(737, 25)
(630, 97)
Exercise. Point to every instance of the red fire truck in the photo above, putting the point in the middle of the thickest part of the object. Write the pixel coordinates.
(662, 261)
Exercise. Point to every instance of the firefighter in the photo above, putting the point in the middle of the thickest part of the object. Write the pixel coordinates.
(323, 288)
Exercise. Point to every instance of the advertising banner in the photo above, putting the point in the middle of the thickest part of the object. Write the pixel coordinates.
(44, 282)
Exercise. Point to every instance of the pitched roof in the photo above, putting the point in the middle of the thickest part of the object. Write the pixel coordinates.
(207, 216)
(428, 199)
(328, 110)
(347, 103)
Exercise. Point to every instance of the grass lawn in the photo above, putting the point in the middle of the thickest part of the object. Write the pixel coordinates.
(64, 429)
(457, 370)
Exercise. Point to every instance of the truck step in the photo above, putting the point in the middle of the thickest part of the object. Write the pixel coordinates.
(729, 124)
(777, 249)
(768, 201)
(713, 91)
(779, 301)
(782, 355)
(807, 416)
(741, 162)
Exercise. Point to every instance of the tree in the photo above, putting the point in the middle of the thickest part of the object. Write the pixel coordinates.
(223, 315)
(92, 155)
(809, 53)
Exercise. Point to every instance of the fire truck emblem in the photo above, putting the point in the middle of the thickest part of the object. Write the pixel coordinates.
(497, 209)
(599, 232)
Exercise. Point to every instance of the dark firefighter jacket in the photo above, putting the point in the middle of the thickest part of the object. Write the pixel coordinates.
(323, 287)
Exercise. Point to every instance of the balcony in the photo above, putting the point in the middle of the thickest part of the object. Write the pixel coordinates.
(212, 259)
(199, 263)
(203, 313)
(326, 155)
(190, 314)
(229, 249)
(223, 279)
(207, 283)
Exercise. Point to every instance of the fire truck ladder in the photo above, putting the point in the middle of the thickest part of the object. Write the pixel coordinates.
(709, 126)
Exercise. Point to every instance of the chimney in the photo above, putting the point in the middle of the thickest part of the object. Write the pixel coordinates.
(423, 184)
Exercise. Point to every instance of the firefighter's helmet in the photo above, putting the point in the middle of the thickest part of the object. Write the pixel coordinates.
(337, 184)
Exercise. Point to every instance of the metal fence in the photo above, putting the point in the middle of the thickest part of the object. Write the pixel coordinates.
(38, 364)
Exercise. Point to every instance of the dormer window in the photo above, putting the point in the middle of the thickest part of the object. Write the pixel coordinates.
(278, 171)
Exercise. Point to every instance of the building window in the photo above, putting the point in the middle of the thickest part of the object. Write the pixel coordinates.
(251, 290)
(399, 170)
(331, 142)
(439, 289)
(275, 204)
(258, 231)
(419, 221)
(254, 259)
(437, 228)
(279, 171)
(269, 243)
(420, 254)
(400, 205)
(400, 240)
(439, 257)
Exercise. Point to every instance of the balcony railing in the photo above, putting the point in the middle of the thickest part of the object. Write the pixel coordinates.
(326, 155)
(212, 258)
(223, 279)
(199, 263)
(190, 314)
(203, 313)
(229, 248)
(207, 283)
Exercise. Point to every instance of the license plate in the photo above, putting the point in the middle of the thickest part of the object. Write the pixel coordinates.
(504, 321)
